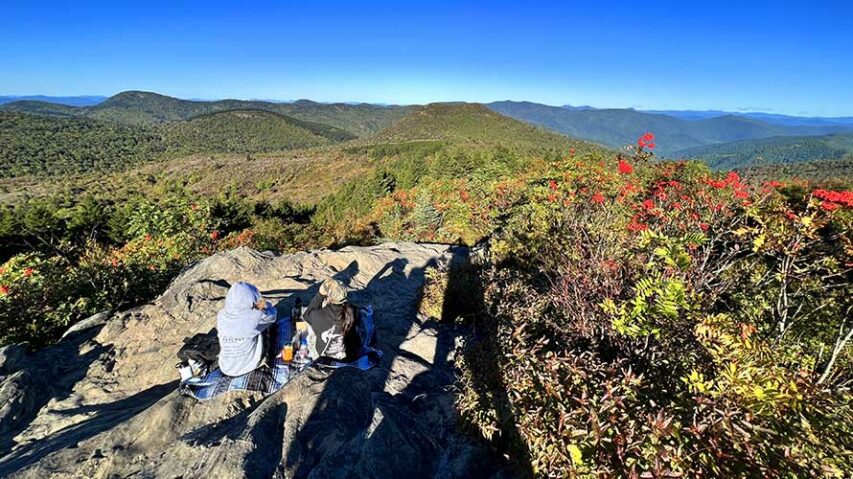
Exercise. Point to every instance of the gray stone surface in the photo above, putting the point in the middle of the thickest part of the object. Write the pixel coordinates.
(109, 408)
(11, 356)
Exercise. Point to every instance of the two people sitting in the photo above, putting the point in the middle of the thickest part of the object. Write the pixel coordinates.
(244, 327)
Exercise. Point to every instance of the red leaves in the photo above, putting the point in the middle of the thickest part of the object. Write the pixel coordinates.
(597, 198)
(636, 226)
(4, 290)
(553, 185)
(646, 141)
(28, 272)
(834, 199)
(829, 206)
(214, 235)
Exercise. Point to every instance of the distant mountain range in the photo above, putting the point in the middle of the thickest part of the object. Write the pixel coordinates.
(85, 100)
(723, 139)
(618, 127)
(772, 118)
(147, 108)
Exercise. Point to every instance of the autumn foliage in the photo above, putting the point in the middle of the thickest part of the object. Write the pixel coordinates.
(653, 319)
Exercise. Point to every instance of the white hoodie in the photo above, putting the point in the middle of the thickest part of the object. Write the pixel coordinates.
(239, 327)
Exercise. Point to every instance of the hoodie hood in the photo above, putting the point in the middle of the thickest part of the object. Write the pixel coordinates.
(240, 300)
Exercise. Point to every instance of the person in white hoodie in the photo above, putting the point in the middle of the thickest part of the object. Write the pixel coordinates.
(240, 325)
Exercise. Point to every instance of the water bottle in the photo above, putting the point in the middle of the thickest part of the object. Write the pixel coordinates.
(296, 313)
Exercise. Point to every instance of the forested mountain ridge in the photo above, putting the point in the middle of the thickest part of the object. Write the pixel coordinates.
(778, 149)
(617, 127)
(34, 144)
(148, 108)
(836, 174)
(248, 131)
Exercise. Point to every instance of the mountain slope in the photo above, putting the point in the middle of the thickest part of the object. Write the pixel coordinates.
(832, 174)
(33, 144)
(619, 127)
(775, 150)
(248, 131)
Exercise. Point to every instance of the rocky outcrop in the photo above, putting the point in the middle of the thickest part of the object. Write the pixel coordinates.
(103, 402)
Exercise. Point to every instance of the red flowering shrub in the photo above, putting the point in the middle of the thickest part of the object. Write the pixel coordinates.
(646, 141)
(693, 326)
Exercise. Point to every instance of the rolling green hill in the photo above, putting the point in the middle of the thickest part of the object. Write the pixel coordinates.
(619, 127)
(247, 131)
(146, 108)
(780, 149)
(471, 124)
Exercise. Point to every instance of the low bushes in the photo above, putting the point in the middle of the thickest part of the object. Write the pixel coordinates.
(647, 319)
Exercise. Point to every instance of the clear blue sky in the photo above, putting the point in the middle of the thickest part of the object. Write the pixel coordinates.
(781, 56)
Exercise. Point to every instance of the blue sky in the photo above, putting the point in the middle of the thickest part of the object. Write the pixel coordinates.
(778, 56)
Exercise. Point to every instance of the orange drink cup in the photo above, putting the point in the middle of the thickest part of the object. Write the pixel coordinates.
(287, 353)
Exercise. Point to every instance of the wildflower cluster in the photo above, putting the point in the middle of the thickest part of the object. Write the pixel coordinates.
(646, 141)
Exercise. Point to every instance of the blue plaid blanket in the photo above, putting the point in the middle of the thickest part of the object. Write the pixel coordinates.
(271, 378)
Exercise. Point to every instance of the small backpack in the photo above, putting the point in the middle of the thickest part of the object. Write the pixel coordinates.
(199, 353)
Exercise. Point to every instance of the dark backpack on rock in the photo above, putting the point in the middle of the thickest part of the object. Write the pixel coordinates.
(202, 348)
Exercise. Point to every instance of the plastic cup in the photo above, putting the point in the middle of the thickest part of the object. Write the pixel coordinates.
(287, 353)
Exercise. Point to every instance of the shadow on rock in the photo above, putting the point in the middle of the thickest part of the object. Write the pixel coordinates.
(103, 417)
(49, 374)
(465, 313)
